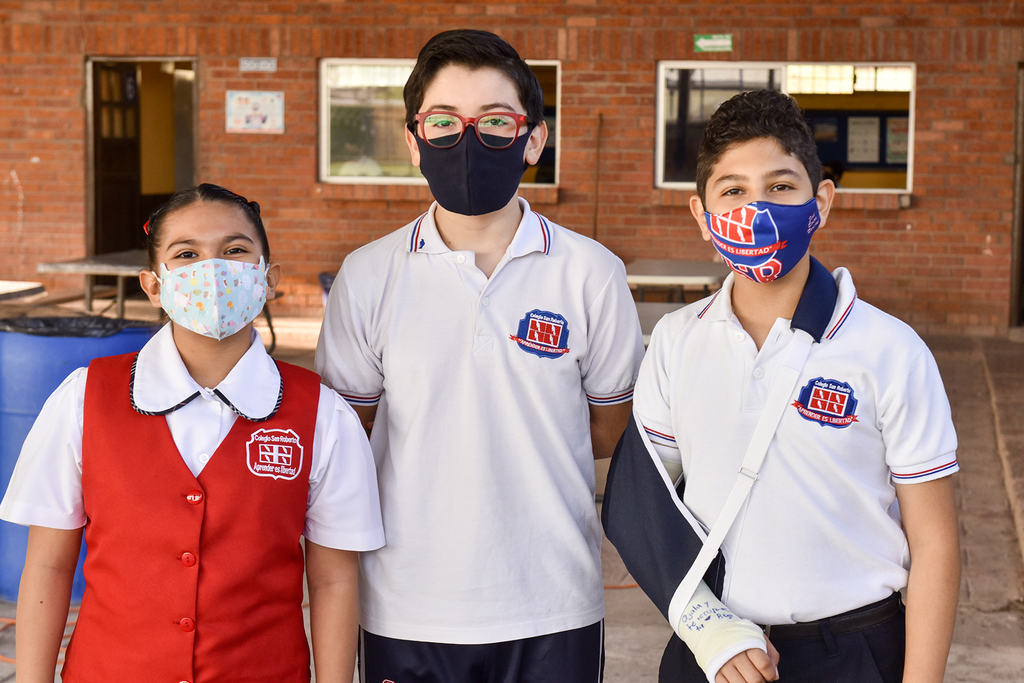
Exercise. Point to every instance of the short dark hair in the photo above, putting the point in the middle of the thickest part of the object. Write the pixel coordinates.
(475, 50)
(752, 115)
(206, 192)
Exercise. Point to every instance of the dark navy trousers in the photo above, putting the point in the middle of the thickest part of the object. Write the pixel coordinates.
(575, 656)
(873, 655)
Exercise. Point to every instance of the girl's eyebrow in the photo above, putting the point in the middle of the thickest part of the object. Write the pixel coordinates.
(192, 242)
(239, 236)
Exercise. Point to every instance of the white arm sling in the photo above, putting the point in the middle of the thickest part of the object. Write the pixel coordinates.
(783, 383)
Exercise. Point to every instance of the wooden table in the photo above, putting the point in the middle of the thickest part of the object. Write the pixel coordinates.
(675, 275)
(119, 264)
(15, 289)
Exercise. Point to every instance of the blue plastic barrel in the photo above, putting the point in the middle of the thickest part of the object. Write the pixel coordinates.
(36, 355)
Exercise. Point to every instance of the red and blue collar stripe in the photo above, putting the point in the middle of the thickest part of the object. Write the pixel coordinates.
(545, 232)
(842, 318)
(415, 243)
(710, 304)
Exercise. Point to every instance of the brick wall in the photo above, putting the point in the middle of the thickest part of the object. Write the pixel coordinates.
(942, 265)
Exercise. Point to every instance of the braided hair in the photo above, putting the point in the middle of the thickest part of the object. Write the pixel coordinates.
(206, 192)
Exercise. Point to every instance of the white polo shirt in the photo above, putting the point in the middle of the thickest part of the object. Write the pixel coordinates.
(482, 435)
(820, 533)
(342, 510)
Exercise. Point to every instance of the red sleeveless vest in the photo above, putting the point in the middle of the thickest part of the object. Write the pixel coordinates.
(188, 578)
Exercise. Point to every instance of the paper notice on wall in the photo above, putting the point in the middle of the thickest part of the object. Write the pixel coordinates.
(862, 137)
(249, 111)
(897, 139)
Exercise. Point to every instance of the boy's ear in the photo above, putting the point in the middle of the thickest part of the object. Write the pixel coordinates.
(273, 279)
(824, 196)
(151, 286)
(697, 209)
(535, 145)
(414, 148)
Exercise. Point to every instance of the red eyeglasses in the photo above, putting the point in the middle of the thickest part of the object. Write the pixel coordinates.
(497, 130)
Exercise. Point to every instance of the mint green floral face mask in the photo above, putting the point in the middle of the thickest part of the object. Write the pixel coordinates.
(216, 297)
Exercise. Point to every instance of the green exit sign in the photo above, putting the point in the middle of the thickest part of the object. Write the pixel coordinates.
(713, 42)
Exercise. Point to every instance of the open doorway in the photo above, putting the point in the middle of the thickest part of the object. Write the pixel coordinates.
(141, 145)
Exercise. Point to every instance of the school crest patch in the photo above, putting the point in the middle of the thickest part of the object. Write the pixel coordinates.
(827, 402)
(543, 334)
(275, 453)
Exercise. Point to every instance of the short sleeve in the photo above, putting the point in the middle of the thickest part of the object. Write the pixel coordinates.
(615, 343)
(916, 424)
(651, 398)
(345, 357)
(46, 486)
(343, 508)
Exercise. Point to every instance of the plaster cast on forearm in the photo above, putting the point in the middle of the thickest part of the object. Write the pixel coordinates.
(713, 633)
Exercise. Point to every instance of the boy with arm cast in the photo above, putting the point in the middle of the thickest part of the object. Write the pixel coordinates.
(853, 502)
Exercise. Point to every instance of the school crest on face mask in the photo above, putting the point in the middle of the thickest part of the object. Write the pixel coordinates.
(762, 241)
(274, 453)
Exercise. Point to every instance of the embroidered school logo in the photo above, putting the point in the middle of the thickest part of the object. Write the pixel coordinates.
(274, 453)
(827, 402)
(543, 334)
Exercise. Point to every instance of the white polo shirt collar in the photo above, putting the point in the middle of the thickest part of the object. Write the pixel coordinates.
(816, 313)
(161, 384)
(532, 234)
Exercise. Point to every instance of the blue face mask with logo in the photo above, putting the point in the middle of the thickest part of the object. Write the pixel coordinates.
(762, 241)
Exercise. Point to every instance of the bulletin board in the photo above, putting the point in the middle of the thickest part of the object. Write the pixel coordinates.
(862, 140)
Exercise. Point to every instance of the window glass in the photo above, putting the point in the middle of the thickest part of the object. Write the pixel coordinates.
(362, 122)
(689, 98)
(366, 121)
(861, 114)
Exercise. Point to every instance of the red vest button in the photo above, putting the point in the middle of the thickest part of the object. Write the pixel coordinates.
(188, 559)
(187, 625)
(195, 497)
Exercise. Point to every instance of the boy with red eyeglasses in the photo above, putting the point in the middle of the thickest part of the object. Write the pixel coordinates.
(494, 353)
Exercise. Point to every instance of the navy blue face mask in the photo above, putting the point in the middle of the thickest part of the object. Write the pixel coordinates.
(471, 179)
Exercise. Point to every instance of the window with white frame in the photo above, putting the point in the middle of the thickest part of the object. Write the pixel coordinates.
(861, 114)
(362, 122)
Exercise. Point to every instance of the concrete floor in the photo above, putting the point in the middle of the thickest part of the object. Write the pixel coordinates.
(983, 378)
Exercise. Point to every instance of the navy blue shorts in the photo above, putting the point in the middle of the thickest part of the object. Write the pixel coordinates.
(871, 655)
(575, 656)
